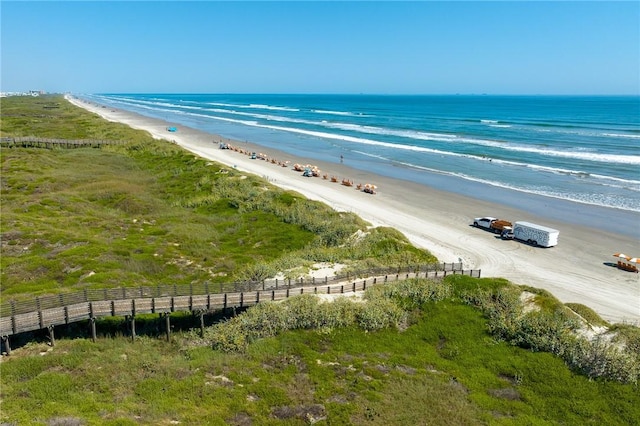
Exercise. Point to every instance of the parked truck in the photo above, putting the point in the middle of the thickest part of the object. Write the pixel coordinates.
(533, 234)
(492, 224)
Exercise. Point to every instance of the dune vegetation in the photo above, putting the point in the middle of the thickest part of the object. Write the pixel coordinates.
(146, 212)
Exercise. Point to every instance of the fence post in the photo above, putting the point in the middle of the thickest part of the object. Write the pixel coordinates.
(13, 317)
(92, 324)
(167, 324)
(40, 320)
(202, 323)
(7, 345)
(52, 337)
(132, 324)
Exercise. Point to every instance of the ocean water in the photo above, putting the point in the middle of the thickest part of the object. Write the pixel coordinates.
(581, 149)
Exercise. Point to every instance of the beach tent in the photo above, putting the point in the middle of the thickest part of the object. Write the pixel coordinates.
(172, 129)
(627, 263)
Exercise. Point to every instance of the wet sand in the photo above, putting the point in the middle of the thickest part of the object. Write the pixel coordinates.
(577, 270)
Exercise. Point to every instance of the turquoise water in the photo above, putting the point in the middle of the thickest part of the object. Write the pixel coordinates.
(581, 149)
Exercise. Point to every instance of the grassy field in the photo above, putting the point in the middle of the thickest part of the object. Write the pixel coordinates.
(442, 367)
(148, 212)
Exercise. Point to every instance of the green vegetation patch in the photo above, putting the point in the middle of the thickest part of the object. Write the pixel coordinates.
(444, 365)
(147, 212)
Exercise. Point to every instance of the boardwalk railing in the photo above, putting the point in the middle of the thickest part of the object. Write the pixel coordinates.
(46, 312)
(33, 142)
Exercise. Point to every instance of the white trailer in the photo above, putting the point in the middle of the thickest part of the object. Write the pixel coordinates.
(536, 235)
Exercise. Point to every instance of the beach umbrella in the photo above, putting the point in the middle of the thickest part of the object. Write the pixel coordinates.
(621, 255)
(634, 260)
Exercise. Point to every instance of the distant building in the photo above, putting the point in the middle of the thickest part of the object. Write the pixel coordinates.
(28, 93)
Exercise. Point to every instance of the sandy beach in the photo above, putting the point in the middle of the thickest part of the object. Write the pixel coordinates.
(577, 270)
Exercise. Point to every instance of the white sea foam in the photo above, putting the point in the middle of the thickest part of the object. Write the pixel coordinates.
(601, 200)
(434, 144)
(621, 135)
(348, 114)
(411, 134)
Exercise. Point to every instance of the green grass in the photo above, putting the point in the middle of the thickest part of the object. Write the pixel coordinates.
(445, 367)
(150, 213)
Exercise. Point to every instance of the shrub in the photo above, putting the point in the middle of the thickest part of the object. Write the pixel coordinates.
(380, 313)
(302, 312)
(227, 337)
(502, 306)
(543, 331)
(552, 329)
(411, 294)
(340, 313)
(600, 359)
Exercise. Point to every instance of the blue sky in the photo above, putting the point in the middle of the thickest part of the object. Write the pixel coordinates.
(321, 47)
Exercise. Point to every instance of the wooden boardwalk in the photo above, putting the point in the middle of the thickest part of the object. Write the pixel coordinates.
(48, 143)
(14, 321)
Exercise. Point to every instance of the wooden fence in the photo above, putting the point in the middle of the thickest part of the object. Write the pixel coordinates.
(47, 312)
(33, 142)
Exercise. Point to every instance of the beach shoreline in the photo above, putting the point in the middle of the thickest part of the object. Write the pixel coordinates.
(577, 270)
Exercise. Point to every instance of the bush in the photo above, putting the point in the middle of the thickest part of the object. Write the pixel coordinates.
(543, 332)
(552, 329)
(502, 306)
(412, 294)
(600, 359)
(340, 313)
(379, 314)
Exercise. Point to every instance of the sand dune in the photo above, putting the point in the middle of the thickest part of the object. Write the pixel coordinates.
(574, 271)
